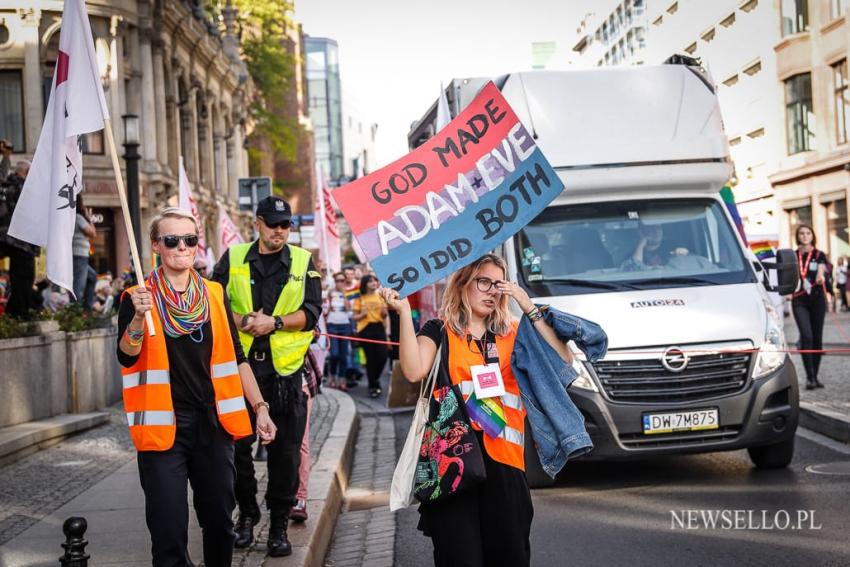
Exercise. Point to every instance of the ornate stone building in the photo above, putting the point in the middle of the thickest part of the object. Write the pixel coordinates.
(162, 60)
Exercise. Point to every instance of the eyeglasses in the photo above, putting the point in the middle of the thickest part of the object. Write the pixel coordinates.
(340, 280)
(282, 224)
(486, 284)
(173, 240)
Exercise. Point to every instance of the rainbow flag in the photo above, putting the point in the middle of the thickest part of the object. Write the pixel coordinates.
(729, 201)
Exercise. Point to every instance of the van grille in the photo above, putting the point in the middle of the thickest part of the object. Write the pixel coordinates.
(646, 380)
(685, 439)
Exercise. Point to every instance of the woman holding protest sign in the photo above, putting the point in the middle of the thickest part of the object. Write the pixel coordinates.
(487, 523)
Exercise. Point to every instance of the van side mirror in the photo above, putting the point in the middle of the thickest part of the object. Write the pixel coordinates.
(787, 272)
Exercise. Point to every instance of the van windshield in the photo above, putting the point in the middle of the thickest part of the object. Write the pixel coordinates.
(599, 247)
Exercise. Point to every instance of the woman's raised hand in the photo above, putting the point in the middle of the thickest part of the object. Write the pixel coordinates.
(391, 298)
(511, 289)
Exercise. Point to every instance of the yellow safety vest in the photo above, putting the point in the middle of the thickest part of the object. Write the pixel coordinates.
(288, 348)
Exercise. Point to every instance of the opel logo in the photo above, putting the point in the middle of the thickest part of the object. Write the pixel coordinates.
(674, 359)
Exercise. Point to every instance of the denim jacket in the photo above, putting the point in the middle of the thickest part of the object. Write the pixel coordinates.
(556, 424)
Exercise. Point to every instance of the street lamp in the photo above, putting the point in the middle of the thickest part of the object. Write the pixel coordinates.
(131, 156)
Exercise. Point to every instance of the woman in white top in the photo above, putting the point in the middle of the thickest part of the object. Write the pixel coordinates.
(339, 323)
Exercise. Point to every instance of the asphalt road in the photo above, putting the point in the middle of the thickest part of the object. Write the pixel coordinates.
(651, 512)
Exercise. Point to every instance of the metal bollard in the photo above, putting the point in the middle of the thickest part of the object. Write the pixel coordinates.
(75, 545)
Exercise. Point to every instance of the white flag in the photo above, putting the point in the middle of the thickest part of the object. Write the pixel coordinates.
(444, 116)
(327, 233)
(228, 234)
(46, 211)
(187, 202)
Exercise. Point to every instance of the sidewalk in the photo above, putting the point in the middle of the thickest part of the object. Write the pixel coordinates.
(826, 410)
(114, 507)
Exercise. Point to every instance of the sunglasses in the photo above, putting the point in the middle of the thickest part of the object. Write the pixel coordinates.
(282, 224)
(173, 240)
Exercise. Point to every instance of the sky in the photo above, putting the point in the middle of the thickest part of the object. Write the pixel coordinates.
(393, 54)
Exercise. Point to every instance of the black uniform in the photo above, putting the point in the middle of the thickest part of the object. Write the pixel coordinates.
(202, 453)
(269, 274)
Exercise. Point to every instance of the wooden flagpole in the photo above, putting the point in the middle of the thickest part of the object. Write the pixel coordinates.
(128, 223)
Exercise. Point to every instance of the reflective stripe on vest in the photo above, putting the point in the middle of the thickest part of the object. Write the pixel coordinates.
(147, 384)
(509, 447)
(288, 347)
(150, 417)
(146, 377)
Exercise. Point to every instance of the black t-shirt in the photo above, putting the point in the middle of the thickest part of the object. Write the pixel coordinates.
(188, 360)
(433, 329)
(809, 263)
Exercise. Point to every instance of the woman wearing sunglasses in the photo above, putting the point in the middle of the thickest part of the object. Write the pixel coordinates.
(184, 394)
(489, 523)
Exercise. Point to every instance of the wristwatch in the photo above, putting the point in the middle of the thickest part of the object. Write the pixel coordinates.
(278, 323)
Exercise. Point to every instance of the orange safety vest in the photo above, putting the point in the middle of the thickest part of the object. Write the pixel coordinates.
(509, 447)
(147, 384)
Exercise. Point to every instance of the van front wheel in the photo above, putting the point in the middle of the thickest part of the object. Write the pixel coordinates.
(775, 456)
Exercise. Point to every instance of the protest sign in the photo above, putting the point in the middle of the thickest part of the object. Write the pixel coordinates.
(472, 186)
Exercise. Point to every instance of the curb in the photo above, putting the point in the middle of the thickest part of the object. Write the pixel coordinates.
(826, 422)
(328, 483)
(18, 441)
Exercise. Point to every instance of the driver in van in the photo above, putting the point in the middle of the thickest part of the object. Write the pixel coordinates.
(648, 252)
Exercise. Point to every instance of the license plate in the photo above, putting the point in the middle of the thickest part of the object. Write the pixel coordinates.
(692, 420)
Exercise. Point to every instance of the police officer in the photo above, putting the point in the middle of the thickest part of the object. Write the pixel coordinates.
(276, 298)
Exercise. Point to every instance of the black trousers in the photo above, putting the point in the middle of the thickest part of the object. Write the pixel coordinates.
(288, 410)
(21, 278)
(203, 456)
(488, 525)
(809, 313)
(376, 354)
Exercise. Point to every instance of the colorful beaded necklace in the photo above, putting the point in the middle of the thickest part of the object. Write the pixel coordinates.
(181, 313)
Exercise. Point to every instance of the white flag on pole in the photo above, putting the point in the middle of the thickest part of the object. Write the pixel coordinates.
(46, 211)
(327, 233)
(228, 234)
(444, 116)
(187, 202)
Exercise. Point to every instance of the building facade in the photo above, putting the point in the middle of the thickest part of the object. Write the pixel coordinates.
(614, 34)
(325, 104)
(734, 40)
(162, 60)
(813, 176)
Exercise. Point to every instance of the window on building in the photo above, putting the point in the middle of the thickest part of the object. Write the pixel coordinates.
(757, 133)
(795, 16)
(658, 21)
(836, 228)
(749, 6)
(735, 141)
(673, 8)
(841, 96)
(731, 80)
(728, 20)
(4, 34)
(12, 108)
(691, 49)
(797, 216)
(753, 69)
(708, 35)
(837, 8)
(799, 114)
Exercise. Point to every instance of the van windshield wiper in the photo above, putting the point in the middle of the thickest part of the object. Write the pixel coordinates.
(588, 283)
(675, 280)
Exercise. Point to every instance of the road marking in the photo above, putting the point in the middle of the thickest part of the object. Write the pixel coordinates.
(824, 440)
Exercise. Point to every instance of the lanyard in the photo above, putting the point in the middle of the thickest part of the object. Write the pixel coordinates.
(486, 347)
(804, 264)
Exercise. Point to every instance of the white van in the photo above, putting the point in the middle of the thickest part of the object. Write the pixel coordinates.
(641, 243)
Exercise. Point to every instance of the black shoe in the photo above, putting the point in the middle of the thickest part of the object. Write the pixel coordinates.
(278, 545)
(810, 385)
(245, 527)
(818, 383)
(374, 393)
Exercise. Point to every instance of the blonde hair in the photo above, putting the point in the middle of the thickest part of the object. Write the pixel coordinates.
(170, 213)
(455, 310)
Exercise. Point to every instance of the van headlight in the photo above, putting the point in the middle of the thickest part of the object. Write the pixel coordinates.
(583, 380)
(772, 353)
